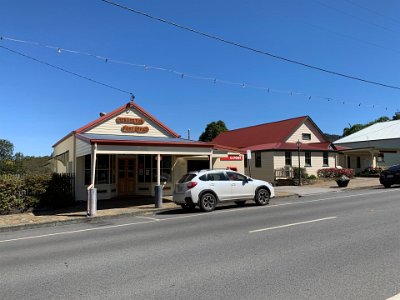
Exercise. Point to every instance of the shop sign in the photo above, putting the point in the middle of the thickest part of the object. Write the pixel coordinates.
(134, 129)
(128, 120)
(232, 158)
(132, 121)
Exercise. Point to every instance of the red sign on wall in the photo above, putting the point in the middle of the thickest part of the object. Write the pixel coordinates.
(232, 158)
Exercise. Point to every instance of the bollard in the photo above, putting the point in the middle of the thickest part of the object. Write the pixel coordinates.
(92, 205)
(158, 196)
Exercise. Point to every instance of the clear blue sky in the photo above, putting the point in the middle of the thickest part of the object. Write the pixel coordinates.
(40, 105)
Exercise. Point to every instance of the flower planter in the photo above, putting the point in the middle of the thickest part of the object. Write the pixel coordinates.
(342, 183)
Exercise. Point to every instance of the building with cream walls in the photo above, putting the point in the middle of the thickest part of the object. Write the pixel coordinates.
(279, 145)
(132, 152)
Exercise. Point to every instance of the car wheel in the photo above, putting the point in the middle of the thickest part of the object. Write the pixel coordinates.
(187, 206)
(262, 196)
(208, 202)
(240, 203)
(387, 185)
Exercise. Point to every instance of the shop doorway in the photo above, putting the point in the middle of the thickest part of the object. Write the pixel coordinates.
(197, 165)
(126, 176)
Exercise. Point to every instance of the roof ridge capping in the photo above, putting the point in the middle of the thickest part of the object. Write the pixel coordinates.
(112, 114)
(119, 110)
(267, 123)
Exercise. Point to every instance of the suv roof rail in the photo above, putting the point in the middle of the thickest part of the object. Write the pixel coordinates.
(215, 169)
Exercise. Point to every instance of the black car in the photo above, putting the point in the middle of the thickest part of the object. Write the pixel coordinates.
(390, 176)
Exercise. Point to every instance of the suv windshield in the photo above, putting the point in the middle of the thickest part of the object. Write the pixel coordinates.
(186, 178)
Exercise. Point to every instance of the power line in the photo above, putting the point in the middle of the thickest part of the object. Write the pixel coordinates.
(250, 48)
(184, 75)
(66, 71)
(374, 12)
(352, 37)
(356, 17)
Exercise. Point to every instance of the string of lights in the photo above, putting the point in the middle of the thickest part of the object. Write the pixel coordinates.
(223, 40)
(179, 74)
(67, 71)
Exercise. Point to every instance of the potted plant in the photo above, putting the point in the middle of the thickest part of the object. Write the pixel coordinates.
(343, 181)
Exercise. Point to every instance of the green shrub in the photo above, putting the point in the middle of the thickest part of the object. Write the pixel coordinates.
(35, 186)
(12, 194)
(312, 177)
(370, 172)
(18, 194)
(303, 173)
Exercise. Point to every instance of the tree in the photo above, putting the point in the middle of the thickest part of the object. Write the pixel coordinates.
(357, 127)
(6, 150)
(6, 157)
(396, 116)
(332, 137)
(212, 130)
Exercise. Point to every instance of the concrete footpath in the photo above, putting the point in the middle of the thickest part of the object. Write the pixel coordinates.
(138, 206)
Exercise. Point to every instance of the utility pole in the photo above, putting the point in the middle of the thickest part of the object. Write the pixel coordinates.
(298, 157)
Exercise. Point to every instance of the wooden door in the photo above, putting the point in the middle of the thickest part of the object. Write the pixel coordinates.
(126, 176)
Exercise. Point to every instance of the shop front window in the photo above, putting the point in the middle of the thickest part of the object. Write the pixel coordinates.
(147, 168)
(105, 173)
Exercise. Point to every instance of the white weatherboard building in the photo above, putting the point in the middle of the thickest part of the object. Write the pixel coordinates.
(375, 146)
(128, 152)
(282, 145)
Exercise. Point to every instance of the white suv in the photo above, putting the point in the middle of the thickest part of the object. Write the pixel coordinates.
(208, 187)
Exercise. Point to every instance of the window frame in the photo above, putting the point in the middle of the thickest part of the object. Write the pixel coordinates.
(288, 158)
(147, 168)
(325, 159)
(104, 168)
(234, 176)
(257, 159)
(306, 136)
(221, 174)
(358, 162)
(307, 158)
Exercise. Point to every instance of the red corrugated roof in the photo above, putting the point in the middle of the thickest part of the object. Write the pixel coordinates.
(270, 136)
(275, 132)
(292, 146)
(104, 139)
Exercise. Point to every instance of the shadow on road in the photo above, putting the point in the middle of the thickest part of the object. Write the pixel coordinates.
(220, 207)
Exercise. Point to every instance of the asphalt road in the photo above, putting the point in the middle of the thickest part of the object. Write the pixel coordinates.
(344, 245)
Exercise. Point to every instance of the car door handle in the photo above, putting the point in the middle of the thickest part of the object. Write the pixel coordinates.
(212, 184)
(233, 184)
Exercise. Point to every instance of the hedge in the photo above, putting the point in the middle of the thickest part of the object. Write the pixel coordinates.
(12, 194)
(18, 194)
(335, 172)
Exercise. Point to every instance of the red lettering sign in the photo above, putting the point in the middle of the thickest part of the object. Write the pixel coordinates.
(128, 120)
(232, 158)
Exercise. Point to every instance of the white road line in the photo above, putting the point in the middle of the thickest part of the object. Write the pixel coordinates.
(395, 297)
(74, 231)
(148, 218)
(293, 224)
(153, 220)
